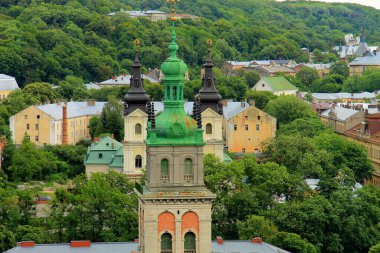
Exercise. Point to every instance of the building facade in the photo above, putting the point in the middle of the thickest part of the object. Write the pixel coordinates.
(276, 85)
(7, 85)
(46, 124)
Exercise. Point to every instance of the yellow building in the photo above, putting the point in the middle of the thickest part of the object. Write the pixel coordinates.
(247, 127)
(7, 85)
(361, 64)
(43, 124)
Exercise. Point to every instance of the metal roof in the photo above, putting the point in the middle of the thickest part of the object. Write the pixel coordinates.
(125, 80)
(8, 83)
(90, 86)
(74, 109)
(278, 83)
(341, 113)
(343, 95)
(229, 111)
(369, 60)
(128, 247)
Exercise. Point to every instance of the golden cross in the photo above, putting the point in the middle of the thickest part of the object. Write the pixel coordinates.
(172, 2)
(136, 42)
(209, 43)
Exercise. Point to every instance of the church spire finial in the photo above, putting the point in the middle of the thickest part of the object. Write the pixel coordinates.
(136, 97)
(208, 95)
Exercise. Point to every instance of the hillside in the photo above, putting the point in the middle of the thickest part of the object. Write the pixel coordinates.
(51, 39)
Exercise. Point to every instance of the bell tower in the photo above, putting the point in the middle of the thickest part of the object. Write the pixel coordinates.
(210, 102)
(135, 122)
(174, 204)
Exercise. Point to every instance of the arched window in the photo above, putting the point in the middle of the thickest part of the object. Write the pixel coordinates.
(137, 129)
(138, 161)
(188, 169)
(166, 243)
(208, 128)
(175, 93)
(190, 244)
(164, 169)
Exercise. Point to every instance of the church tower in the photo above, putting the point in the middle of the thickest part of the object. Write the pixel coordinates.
(135, 122)
(212, 110)
(174, 205)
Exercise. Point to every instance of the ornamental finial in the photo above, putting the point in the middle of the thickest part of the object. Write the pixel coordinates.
(173, 13)
(137, 43)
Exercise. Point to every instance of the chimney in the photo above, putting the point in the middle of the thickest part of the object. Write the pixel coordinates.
(80, 244)
(257, 240)
(219, 239)
(243, 104)
(137, 240)
(224, 102)
(252, 102)
(64, 125)
(91, 102)
(27, 244)
(96, 139)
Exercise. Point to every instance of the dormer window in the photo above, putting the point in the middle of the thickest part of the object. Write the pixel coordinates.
(100, 155)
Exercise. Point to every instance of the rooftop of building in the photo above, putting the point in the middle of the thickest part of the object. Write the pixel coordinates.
(74, 109)
(342, 113)
(275, 69)
(104, 151)
(370, 59)
(317, 66)
(223, 246)
(8, 83)
(278, 83)
(344, 95)
(124, 80)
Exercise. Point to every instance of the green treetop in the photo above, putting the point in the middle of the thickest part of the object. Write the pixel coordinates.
(173, 126)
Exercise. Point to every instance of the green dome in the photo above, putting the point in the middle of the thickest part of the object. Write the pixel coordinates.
(175, 125)
(173, 67)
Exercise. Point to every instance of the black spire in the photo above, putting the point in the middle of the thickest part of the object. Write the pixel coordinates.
(136, 97)
(208, 95)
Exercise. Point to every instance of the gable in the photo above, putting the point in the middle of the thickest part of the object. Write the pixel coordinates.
(209, 113)
(137, 113)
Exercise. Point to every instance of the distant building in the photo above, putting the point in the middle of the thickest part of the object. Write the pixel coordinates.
(344, 97)
(246, 128)
(341, 119)
(92, 86)
(104, 155)
(50, 123)
(367, 133)
(7, 85)
(154, 15)
(361, 64)
(322, 69)
(350, 39)
(123, 80)
(344, 52)
(276, 85)
(271, 67)
(273, 70)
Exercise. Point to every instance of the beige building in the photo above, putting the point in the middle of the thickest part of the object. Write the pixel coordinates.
(246, 130)
(43, 124)
(7, 85)
(276, 85)
(342, 119)
(361, 64)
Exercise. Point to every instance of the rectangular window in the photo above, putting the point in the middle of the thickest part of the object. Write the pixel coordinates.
(246, 117)
(27, 127)
(25, 116)
(36, 138)
(243, 150)
(235, 127)
(258, 127)
(246, 127)
(258, 117)
(36, 126)
(38, 116)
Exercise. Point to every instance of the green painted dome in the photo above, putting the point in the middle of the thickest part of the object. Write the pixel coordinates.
(173, 67)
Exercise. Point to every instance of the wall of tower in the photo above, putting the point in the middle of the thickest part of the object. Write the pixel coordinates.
(177, 218)
(176, 180)
(135, 125)
(214, 142)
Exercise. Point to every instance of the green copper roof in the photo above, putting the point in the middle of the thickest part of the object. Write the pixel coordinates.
(103, 151)
(173, 125)
(279, 83)
(118, 160)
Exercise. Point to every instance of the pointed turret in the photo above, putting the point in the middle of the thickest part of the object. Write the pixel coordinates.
(136, 97)
(208, 95)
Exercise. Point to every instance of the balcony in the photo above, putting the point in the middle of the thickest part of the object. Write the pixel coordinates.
(188, 178)
(166, 251)
(165, 178)
(189, 251)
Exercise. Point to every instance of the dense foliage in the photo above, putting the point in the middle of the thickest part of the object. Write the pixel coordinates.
(50, 40)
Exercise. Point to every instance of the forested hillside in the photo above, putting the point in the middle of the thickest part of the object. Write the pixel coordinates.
(47, 40)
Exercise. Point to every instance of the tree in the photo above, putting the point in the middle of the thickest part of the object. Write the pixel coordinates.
(96, 127)
(303, 126)
(288, 108)
(293, 243)
(307, 76)
(261, 98)
(340, 68)
(43, 92)
(375, 248)
(256, 226)
(112, 118)
(7, 239)
(251, 78)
